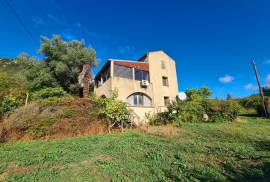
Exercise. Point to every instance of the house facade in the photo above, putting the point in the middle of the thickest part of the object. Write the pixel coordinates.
(146, 85)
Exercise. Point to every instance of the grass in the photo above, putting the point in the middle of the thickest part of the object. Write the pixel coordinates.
(198, 152)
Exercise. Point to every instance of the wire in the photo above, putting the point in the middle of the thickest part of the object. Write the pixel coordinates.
(21, 21)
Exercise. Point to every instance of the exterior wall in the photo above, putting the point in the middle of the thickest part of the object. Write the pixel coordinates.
(105, 89)
(156, 73)
(140, 112)
(126, 87)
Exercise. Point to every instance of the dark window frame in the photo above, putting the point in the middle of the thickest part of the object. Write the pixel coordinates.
(166, 100)
(141, 74)
(165, 81)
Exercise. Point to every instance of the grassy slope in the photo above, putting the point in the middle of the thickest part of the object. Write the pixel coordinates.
(200, 151)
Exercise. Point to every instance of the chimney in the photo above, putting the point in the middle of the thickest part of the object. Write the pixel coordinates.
(84, 79)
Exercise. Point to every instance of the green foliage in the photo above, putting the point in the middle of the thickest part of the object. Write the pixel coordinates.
(8, 104)
(251, 102)
(67, 114)
(190, 111)
(254, 103)
(112, 109)
(12, 81)
(198, 94)
(41, 128)
(64, 60)
(49, 93)
(222, 111)
(196, 107)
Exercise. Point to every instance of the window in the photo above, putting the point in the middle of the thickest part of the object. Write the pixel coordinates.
(139, 99)
(123, 71)
(141, 75)
(163, 65)
(165, 81)
(166, 100)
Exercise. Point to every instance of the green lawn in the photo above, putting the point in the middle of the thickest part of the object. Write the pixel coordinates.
(199, 152)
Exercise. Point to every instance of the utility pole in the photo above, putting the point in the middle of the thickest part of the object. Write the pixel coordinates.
(260, 89)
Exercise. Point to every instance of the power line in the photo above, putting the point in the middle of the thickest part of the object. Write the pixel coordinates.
(21, 22)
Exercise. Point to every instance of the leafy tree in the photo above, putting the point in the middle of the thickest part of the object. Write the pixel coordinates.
(61, 64)
(198, 94)
(64, 61)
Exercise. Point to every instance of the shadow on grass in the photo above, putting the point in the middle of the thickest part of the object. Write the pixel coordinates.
(260, 172)
(262, 145)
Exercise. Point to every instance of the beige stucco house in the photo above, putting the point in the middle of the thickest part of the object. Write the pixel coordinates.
(146, 85)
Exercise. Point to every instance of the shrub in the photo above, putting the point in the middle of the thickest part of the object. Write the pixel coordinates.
(41, 128)
(49, 93)
(191, 112)
(8, 104)
(221, 111)
(112, 109)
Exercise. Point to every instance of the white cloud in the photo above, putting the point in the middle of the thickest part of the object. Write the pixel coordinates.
(268, 79)
(267, 62)
(226, 79)
(250, 86)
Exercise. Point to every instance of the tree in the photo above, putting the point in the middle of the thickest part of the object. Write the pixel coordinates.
(65, 60)
(198, 94)
(229, 97)
(37, 74)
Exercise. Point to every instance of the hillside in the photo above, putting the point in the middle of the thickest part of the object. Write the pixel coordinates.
(56, 118)
(206, 152)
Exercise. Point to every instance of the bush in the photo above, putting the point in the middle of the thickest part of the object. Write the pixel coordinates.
(8, 104)
(49, 93)
(112, 109)
(190, 112)
(179, 112)
(221, 111)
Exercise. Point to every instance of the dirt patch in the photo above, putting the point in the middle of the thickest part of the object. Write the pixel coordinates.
(77, 127)
(16, 170)
(167, 130)
(252, 162)
(86, 162)
(3, 176)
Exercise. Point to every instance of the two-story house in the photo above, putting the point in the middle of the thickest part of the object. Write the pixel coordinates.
(146, 85)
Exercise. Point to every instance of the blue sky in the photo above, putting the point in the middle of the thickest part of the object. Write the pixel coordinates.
(212, 41)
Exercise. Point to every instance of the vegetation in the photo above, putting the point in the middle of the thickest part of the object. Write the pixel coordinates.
(64, 60)
(53, 76)
(8, 104)
(49, 93)
(197, 108)
(111, 109)
(198, 152)
(52, 118)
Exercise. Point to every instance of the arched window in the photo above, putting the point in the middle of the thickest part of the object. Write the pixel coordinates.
(139, 99)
